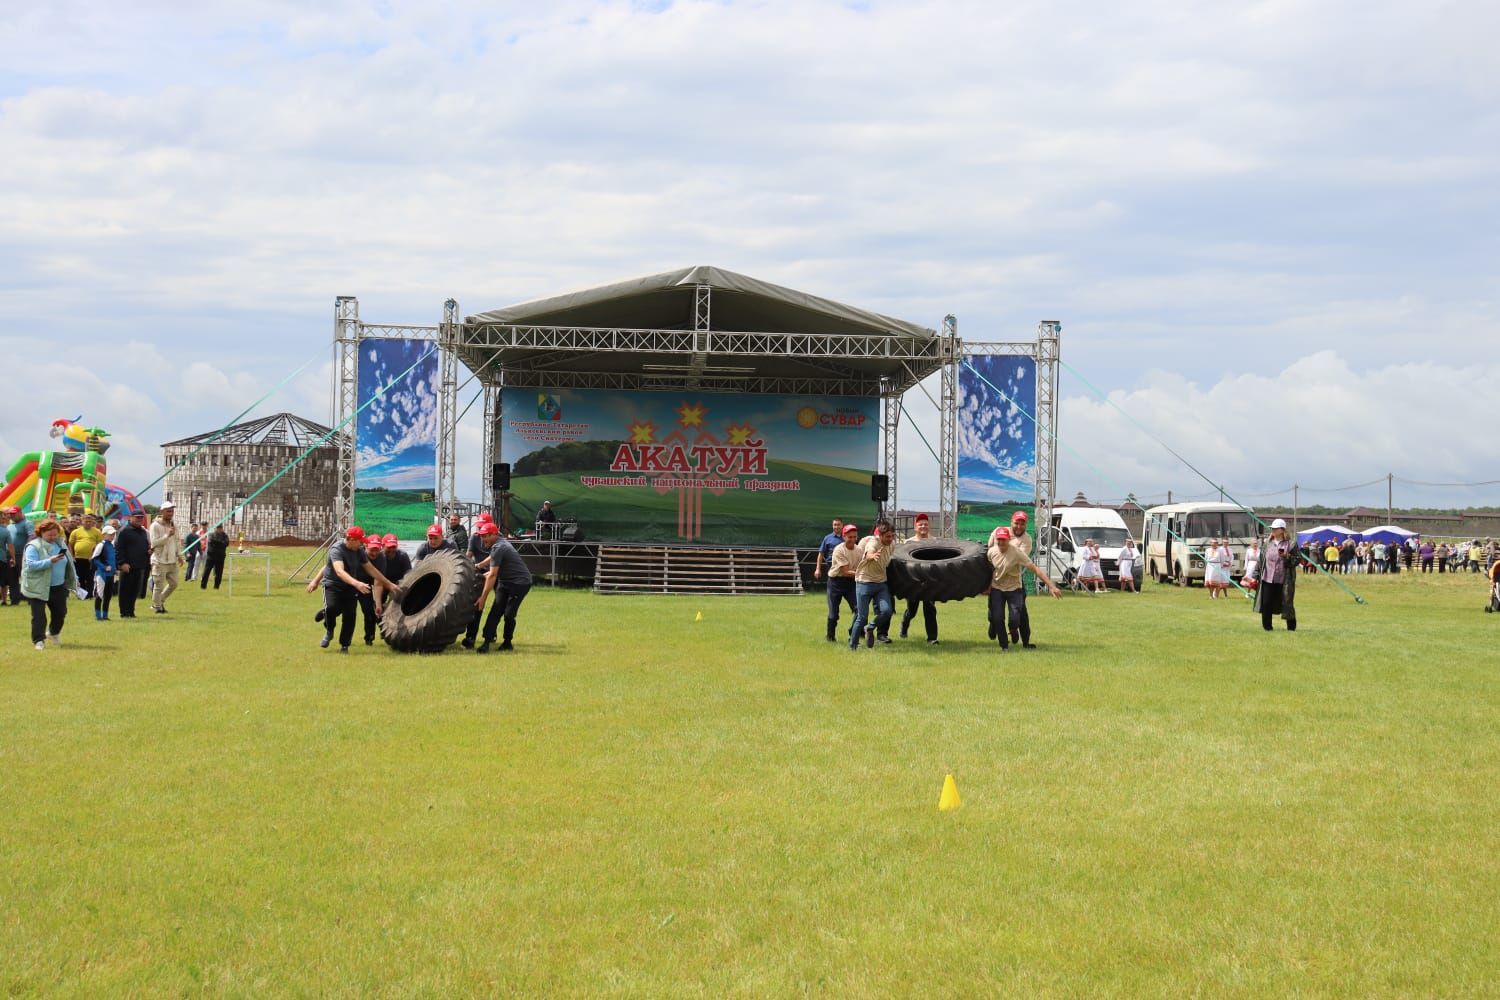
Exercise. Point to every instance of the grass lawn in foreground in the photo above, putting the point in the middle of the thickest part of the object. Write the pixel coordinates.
(1161, 800)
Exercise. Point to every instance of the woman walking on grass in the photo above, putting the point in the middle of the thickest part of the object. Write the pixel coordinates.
(1276, 578)
(46, 580)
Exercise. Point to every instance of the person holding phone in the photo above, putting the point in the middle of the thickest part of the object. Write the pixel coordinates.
(47, 578)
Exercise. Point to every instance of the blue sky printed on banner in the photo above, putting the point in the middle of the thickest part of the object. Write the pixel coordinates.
(996, 440)
(396, 444)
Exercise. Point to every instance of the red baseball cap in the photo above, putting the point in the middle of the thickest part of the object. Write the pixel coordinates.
(1002, 532)
(851, 527)
(390, 541)
(1019, 515)
(355, 534)
(489, 528)
(433, 531)
(921, 517)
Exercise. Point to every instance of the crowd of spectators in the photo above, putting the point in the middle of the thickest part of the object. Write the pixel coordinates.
(1354, 556)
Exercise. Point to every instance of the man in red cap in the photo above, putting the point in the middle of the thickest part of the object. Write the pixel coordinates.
(1021, 542)
(397, 563)
(342, 586)
(843, 559)
(922, 532)
(510, 580)
(435, 541)
(372, 601)
(1006, 591)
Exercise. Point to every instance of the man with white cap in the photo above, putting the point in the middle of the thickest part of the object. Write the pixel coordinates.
(166, 556)
(1276, 587)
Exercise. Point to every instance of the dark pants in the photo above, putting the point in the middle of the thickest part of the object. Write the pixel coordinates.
(505, 605)
(340, 605)
(367, 611)
(131, 582)
(57, 603)
(192, 562)
(1012, 602)
(101, 604)
(1271, 606)
(1426, 564)
(85, 570)
(929, 618)
(15, 577)
(840, 590)
(215, 565)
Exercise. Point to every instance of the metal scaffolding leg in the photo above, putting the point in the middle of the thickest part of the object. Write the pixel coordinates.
(490, 450)
(1049, 336)
(447, 430)
(948, 428)
(891, 404)
(346, 331)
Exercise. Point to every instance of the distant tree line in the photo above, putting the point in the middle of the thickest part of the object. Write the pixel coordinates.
(571, 456)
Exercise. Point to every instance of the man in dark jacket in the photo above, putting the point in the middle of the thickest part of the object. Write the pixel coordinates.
(133, 556)
(458, 537)
(192, 548)
(213, 557)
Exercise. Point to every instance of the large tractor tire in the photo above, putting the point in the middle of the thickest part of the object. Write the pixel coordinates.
(436, 605)
(939, 569)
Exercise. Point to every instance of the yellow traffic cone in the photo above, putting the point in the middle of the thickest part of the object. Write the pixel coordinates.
(949, 799)
(698, 617)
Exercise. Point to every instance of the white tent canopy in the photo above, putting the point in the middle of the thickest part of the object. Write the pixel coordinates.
(1386, 533)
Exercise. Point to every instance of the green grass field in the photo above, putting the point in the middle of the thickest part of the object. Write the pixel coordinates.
(1161, 800)
(404, 513)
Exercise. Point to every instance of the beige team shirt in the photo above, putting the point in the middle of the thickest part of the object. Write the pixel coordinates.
(843, 561)
(166, 544)
(1022, 542)
(875, 558)
(1006, 567)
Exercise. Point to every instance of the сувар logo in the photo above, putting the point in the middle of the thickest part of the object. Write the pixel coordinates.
(840, 417)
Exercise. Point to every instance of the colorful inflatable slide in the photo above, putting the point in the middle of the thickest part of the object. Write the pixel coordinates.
(66, 481)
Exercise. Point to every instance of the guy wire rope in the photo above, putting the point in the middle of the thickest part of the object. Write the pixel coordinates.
(1096, 391)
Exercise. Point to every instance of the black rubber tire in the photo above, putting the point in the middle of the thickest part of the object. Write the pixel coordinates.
(938, 569)
(436, 604)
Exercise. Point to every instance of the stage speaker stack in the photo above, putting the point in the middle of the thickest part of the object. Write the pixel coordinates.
(880, 488)
(500, 476)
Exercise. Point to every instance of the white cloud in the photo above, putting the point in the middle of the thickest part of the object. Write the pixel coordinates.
(1203, 191)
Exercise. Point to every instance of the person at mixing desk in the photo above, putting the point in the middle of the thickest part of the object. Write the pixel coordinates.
(546, 515)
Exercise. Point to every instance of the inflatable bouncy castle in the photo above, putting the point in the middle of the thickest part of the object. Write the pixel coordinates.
(71, 481)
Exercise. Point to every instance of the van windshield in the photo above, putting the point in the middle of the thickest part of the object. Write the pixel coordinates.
(1107, 538)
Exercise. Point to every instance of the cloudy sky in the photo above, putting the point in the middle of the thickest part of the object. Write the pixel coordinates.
(1268, 229)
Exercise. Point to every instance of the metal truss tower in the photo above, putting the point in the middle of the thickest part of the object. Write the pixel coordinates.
(1048, 342)
(345, 395)
(447, 429)
(890, 402)
(948, 429)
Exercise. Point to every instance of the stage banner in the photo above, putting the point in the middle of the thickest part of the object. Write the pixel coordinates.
(996, 441)
(690, 467)
(395, 439)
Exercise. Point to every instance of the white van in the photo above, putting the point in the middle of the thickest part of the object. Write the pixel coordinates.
(1168, 559)
(1071, 527)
